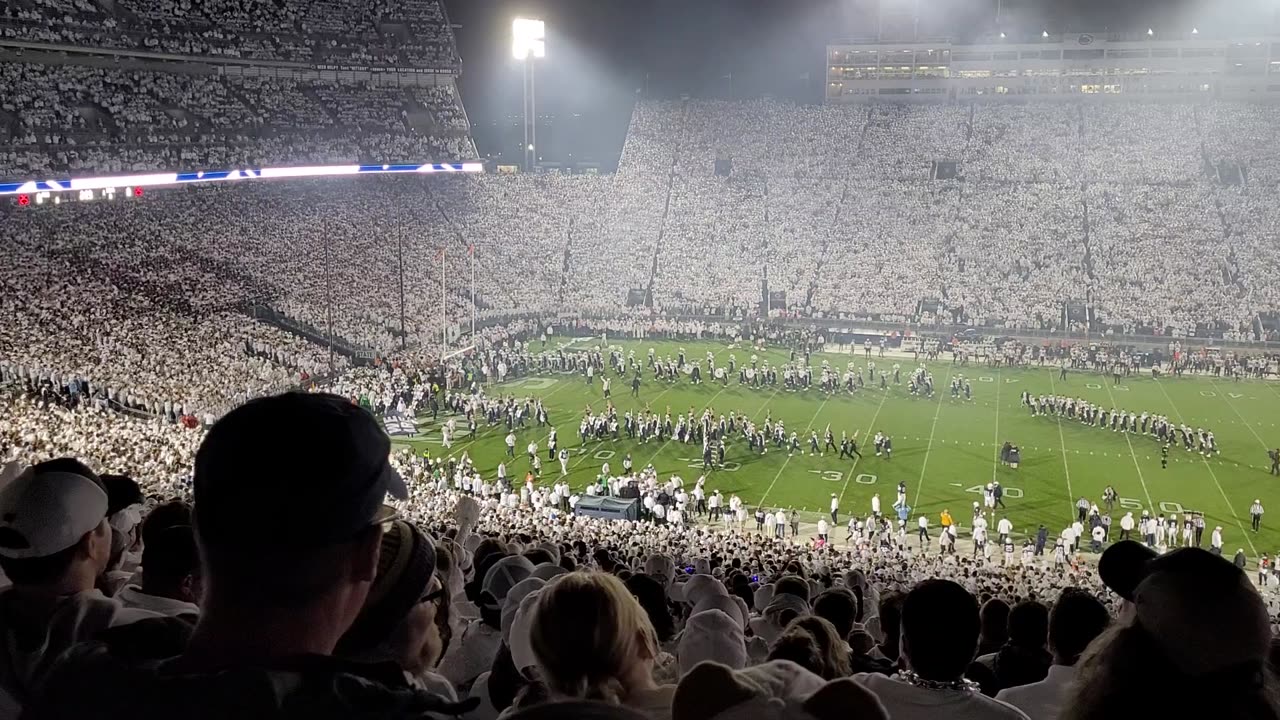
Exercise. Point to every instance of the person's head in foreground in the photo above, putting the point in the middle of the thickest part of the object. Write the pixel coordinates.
(1192, 641)
(814, 644)
(939, 630)
(399, 618)
(1075, 620)
(172, 565)
(289, 538)
(289, 521)
(593, 641)
(54, 536)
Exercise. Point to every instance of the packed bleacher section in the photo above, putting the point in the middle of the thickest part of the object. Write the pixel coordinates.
(1149, 248)
(343, 32)
(96, 120)
(1117, 206)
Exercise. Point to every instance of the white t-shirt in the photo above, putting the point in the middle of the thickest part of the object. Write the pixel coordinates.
(908, 702)
(1041, 700)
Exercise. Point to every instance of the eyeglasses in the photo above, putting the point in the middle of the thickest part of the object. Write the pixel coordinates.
(432, 597)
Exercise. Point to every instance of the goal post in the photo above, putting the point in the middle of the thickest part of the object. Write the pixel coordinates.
(454, 379)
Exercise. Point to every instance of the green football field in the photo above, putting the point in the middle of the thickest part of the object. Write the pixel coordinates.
(944, 449)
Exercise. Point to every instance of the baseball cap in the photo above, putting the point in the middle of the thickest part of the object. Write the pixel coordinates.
(1198, 607)
(47, 508)
(296, 470)
(504, 575)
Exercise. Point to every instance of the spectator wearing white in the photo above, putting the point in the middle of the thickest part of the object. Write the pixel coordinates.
(54, 542)
(1075, 620)
(939, 639)
(280, 588)
(712, 635)
(171, 576)
(473, 651)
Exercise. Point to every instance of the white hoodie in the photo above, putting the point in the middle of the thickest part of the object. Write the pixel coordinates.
(29, 647)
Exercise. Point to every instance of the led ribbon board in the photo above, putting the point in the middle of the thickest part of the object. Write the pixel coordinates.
(200, 176)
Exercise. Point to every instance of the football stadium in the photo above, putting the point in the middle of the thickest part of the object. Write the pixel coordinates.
(483, 359)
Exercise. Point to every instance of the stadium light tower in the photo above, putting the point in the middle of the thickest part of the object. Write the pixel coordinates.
(528, 44)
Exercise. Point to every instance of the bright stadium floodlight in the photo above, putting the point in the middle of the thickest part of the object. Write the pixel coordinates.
(1195, 31)
(529, 43)
(1150, 32)
(528, 37)
(1044, 34)
(1002, 36)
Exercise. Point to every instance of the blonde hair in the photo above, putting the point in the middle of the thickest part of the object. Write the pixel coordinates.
(587, 632)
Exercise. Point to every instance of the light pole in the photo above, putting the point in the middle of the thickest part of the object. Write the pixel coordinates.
(528, 43)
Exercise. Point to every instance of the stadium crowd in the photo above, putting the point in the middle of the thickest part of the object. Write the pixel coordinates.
(79, 118)
(849, 229)
(407, 34)
(167, 550)
(384, 592)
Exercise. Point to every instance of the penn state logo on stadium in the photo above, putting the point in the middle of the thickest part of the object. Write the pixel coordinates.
(1085, 39)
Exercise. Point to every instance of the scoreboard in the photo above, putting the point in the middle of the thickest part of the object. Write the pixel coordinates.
(86, 195)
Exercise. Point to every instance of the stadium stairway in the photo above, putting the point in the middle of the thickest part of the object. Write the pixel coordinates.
(314, 97)
(568, 258)
(666, 207)
(275, 318)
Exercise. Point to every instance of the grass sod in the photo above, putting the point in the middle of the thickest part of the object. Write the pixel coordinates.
(945, 449)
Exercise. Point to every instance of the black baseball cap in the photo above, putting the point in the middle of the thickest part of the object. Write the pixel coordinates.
(296, 470)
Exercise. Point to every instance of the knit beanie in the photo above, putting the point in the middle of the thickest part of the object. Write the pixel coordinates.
(406, 562)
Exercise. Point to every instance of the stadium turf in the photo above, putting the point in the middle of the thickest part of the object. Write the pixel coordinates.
(945, 449)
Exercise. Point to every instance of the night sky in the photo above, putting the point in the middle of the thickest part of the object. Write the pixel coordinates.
(603, 54)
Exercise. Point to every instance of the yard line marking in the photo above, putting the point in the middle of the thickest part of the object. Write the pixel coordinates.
(1132, 454)
(1231, 509)
(1062, 441)
(849, 477)
(1226, 397)
(929, 448)
(788, 460)
(995, 461)
(1267, 384)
